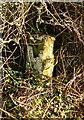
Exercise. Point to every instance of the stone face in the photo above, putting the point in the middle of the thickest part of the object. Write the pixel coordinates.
(44, 62)
(48, 57)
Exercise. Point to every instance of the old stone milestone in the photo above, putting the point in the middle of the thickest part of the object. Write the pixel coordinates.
(40, 55)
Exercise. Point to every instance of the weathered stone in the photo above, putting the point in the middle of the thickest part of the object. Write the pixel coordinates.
(44, 62)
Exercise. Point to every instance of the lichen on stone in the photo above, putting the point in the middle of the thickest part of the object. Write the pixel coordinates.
(44, 62)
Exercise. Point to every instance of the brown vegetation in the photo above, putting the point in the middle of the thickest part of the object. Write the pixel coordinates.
(26, 94)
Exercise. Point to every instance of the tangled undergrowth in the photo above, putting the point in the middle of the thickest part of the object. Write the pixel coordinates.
(26, 94)
(41, 97)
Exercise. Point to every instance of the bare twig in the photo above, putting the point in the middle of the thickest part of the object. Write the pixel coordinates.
(9, 114)
(8, 58)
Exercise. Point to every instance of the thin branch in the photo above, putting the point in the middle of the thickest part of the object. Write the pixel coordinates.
(8, 114)
(8, 58)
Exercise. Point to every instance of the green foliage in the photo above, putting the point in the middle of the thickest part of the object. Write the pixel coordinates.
(34, 96)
